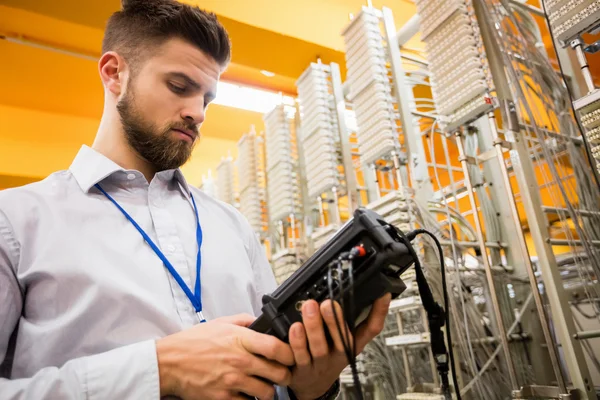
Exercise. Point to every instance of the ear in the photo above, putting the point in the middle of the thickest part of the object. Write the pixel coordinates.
(112, 69)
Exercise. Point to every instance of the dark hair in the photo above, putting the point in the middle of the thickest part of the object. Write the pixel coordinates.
(142, 24)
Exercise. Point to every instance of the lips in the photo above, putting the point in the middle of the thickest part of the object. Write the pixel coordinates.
(191, 134)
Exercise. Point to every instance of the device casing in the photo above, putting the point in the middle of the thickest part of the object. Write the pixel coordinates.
(374, 274)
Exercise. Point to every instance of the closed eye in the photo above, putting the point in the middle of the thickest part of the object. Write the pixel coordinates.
(177, 89)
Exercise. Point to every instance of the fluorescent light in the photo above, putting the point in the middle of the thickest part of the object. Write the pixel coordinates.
(246, 98)
(267, 73)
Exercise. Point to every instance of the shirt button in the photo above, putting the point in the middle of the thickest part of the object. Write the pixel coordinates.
(171, 248)
(131, 176)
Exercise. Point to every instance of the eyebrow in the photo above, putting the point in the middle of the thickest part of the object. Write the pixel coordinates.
(191, 82)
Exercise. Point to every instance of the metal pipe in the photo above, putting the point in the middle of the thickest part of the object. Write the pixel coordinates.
(577, 44)
(575, 139)
(336, 205)
(293, 233)
(547, 184)
(530, 8)
(281, 236)
(396, 161)
(343, 133)
(494, 245)
(404, 96)
(321, 211)
(587, 335)
(448, 167)
(556, 210)
(565, 242)
(488, 268)
(539, 305)
(408, 30)
(377, 186)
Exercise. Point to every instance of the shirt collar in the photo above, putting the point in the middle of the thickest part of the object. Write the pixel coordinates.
(90, 167)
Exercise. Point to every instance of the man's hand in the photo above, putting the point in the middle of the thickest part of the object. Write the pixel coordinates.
(317, 365)
(220, 359)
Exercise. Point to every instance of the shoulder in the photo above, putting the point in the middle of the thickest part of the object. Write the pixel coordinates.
(24, 205)
(37, 193)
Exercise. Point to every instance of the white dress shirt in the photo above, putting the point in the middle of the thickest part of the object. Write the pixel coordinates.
(83, 297)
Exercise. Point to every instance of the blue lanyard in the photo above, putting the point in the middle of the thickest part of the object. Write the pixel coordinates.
(196, 297)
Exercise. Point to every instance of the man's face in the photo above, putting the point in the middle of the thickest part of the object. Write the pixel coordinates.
(165, 102)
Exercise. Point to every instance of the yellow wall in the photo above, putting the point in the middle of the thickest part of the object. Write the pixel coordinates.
(33, 144)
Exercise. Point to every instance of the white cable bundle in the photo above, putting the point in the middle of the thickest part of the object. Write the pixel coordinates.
(251, 178)
(225, 181)
(320, 143)
(370, 85)
(321, 235)
(284, 264)
(460, 78)
(393, 209)
(284, 193)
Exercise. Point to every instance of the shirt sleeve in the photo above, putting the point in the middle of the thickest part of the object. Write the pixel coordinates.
(129, 372)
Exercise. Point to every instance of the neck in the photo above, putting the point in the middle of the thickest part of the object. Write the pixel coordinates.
(110, 141)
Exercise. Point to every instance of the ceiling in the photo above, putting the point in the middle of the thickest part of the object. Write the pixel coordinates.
(52, 70)
(280, 36)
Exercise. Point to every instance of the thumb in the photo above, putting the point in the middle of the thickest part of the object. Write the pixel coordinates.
(244, 320)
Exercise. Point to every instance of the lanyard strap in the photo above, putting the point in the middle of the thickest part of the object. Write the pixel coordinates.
(196, 297)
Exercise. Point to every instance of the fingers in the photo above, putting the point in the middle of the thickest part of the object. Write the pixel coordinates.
(374, 323)
(299, 345)
(313, 323)
(267, 346)
(270, 370)
(253, 387)
(244, 320)
(329, 317)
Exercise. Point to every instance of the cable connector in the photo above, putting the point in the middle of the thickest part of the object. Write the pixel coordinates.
(436, 318)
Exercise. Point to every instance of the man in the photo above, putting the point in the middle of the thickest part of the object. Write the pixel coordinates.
(120, 281)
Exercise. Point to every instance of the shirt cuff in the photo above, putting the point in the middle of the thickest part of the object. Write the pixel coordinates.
(129, 372)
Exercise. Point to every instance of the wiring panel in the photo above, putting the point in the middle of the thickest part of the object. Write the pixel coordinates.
(571, 18)
(371, 87)
(252, 178)
(460, 79)
(226, 181)
(284, 192)
(589, 111)
(318, 132)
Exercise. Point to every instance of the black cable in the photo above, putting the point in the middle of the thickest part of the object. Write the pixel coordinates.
(427, 297)
(586, 144)
(446, 303)
(351, 308)
(348, 350)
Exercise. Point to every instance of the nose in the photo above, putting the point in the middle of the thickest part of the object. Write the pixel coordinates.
(194, 112)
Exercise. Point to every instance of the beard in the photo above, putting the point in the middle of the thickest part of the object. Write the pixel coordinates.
(153, 143)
